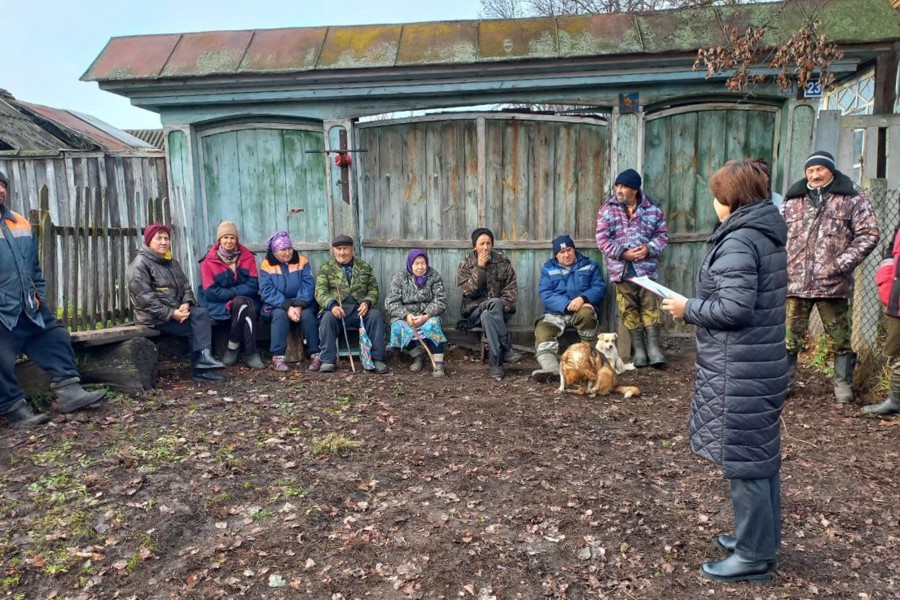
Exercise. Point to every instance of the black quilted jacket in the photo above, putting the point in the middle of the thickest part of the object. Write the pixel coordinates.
(741, 360)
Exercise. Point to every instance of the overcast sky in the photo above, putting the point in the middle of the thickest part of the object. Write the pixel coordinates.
(47, 45)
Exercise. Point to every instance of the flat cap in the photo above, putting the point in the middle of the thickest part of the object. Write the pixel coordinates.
(342, 240)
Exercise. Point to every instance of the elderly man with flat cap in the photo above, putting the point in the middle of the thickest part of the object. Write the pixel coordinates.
(28, 325)
(346, 290)
(832, 228)
(489, 289)
(572, 289)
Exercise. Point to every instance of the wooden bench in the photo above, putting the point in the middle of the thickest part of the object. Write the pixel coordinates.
(119, 357)
(482, 345)
(111, 335)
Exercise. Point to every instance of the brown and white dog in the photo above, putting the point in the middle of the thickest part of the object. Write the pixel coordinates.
(607, 346)
(581, 363)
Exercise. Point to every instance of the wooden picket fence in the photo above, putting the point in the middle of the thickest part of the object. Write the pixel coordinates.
(85, 263)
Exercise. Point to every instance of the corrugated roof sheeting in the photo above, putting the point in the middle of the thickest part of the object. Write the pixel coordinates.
(28, 127)
(154, 137)
(472, 42)
(106, 138)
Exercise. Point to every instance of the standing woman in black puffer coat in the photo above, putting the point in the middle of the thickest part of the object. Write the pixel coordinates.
(741, 366)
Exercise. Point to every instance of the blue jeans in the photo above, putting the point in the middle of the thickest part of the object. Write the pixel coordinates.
(281, 326)
(757, 517)
(50, 347)
(330, 330)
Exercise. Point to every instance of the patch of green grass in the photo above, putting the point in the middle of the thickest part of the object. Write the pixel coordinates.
(287, 489)
(262, 514)
(333, 443)
(820, 359)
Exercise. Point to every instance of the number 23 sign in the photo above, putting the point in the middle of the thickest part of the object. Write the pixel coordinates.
(813, 89)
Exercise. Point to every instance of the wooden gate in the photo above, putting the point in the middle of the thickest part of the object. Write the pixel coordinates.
(429, 182)
(683, 147)
(264, 178)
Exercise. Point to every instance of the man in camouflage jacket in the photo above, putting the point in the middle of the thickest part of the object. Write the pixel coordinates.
(489, 289)
(832, 228)
(347, 291)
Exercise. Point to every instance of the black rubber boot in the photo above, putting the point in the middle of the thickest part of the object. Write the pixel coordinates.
(21, 415)
(891, 404)
(207, 375)
(638, 352)
(70, 396)
(844, 365)
(205, 360)
(230, 357)
(791, 374)
(654, 350)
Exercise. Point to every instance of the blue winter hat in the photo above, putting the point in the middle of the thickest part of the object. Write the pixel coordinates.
(822, 159)
(629, 177)
(561, 242)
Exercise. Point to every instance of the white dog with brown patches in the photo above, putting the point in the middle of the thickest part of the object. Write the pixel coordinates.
(606, 345)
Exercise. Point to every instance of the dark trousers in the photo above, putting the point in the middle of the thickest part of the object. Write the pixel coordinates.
(490, 317)
(198, 328)
(50, 347)
(243, 324)
(331, 330)
(281, 327)
(757, 517)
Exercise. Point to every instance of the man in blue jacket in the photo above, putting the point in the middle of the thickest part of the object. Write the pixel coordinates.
(572, 288)
(26, 325)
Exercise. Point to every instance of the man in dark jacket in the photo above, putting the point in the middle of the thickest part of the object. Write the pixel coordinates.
(489, 289)
(162, 298)
(572, 289)
(832, 228)
(27, 325)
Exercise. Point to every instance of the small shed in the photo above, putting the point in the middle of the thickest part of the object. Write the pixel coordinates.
(75, 156)
(252, 119)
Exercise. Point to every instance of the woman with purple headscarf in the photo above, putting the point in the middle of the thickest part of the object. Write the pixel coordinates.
(414, 303)
(288, 289)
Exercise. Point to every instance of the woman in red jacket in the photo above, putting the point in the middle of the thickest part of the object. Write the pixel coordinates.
(229, 290)
(888, 282)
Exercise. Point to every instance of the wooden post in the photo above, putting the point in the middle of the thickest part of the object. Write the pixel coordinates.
(866, 306)
(42, 228)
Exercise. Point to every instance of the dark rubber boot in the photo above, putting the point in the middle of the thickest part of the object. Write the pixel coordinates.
(206, 361)
(791, 374)
(844, 365)
(21, 416)
(638, 352)
(654, 350)
(70, 396)
(891, 404)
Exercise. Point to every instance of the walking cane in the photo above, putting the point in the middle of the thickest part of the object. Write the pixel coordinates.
(344, 325)
(424, 345)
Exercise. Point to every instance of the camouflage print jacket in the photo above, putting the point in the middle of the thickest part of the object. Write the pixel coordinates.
(332, 285)
(827, 239)
(496, 280)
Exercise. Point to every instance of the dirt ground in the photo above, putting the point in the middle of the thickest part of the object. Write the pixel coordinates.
(404, 486)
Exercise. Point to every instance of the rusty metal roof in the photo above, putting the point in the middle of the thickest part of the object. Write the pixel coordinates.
(299, 50)
(27, 127)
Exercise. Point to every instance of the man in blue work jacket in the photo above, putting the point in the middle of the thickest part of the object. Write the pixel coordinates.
(572, 289)
(26, 325)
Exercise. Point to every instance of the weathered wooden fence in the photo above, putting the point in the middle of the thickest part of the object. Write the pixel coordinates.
(84, 263)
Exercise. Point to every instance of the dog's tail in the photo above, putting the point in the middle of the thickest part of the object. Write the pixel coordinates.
(627, 390)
